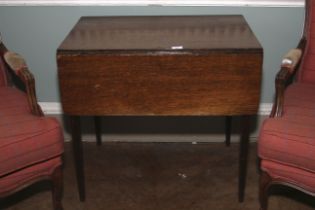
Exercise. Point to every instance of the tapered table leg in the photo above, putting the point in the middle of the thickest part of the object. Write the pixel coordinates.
(78, 154)
(244, 144)
(228, 120)
(98, 129)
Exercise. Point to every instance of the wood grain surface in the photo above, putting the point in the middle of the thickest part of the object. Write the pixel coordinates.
(160, 33)
(125, 66)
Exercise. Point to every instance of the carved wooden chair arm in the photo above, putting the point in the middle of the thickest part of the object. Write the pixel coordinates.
(289, 65)
(19, 67)
(291, 59)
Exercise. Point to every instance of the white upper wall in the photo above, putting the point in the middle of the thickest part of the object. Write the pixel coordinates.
(251, 3)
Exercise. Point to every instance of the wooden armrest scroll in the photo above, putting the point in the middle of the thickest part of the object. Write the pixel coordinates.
(291, 59)
(15, 61)
(18, 65)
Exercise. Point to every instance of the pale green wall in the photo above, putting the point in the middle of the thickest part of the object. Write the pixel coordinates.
(36, 32)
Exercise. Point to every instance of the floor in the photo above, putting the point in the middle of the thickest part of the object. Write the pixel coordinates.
(159, 176)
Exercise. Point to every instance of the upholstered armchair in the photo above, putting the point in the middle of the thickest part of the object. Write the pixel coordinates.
(31, 144)
(286, 144)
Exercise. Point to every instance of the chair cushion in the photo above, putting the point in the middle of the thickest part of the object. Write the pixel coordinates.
(290, 140)
(25, 139)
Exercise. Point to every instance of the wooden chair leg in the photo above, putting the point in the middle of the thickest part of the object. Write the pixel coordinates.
(264, 184)
(98, 130)
(228, 120)
(57, 180)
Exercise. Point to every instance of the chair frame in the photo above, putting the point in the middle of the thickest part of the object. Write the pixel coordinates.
(285, 76)
(56, 176)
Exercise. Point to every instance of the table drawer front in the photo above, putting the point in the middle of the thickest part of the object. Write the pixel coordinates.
(212, 84)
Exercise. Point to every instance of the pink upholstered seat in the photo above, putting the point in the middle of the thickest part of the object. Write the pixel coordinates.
(287, 143)
(31, 144)
(25, 139)
(287, 139)
(290, 139)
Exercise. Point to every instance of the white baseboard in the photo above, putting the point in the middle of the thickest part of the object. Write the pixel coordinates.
(265, 109)
(54, 108)
(51, 108)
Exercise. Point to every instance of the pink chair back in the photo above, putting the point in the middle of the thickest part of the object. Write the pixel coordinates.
(308, 66)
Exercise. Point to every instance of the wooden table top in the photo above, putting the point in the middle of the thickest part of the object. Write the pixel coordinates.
(160, 33)
(170, 65)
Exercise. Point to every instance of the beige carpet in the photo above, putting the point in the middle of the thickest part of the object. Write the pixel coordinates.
(159, 176)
